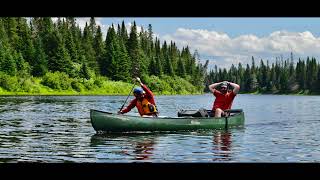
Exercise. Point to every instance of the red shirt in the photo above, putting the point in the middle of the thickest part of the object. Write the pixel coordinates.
(223, 101)
(134, 102)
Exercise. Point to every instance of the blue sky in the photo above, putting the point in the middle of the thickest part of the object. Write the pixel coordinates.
(231, 26)
(226, 41)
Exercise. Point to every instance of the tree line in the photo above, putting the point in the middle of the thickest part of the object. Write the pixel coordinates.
(282, 76)
(41, 46)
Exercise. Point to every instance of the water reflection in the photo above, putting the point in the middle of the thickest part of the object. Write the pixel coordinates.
(222, 146)
(144, 148)
(134, 146)
(58, 129)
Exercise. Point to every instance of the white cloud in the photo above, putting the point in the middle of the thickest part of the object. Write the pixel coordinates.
(228, 50)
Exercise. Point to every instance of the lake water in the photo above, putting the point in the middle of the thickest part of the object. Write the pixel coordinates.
(278, 128)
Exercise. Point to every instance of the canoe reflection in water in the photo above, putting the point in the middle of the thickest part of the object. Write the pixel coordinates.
(222, 146)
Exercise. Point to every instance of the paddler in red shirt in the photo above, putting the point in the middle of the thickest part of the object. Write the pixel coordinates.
(224, 98)
(144, 101)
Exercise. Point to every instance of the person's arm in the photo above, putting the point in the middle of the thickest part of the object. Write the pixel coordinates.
(235, 86)
(139, 80)
(128, 108)
(212, 87)
(145, 88)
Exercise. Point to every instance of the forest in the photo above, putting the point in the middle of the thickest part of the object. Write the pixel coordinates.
(40, 56)
(280, 77)
(46, 57)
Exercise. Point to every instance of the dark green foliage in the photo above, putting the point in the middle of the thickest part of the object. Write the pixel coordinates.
(42, 46)
(57, 80)
(23, 67)
(8, 64)
(40, 66)
(133, 51)
(60, 61)
(281, 77)
(84, 72)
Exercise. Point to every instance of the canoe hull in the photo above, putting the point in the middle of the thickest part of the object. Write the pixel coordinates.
(109, 122)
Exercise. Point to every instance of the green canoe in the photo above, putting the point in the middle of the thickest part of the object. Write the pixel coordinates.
(111, 122)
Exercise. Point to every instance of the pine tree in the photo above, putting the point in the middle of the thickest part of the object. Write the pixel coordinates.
(247, 80)
(152, 67)
(240, 72)
(133, 51)
(88, 50)
(11, 25)
(158, 58)
(124, 34)
(107, 60)
(84, 72)
(40, 66)
(71, 47)
(98, 46)
(23, 67)
(124, 66)
(263, 78)
(61, 61)
(284, 86)
(150, 40)
(181, 69)
(25, 45)
(8, 64)
(115, 62)
(93, 26)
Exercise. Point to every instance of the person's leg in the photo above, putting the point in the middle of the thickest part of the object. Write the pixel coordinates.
(218, 112)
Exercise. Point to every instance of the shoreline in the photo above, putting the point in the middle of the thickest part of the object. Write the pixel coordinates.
(86, 94)
(121, 94)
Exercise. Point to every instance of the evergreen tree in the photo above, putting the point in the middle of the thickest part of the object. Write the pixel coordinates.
(124, 62)
(158, 58)
(263, 79)
(247, 80)
(12, 32)
(240, 79)
(152, 67)
(181, 69)
(150, 40)
(61, 61)
(133, 50)
(40, 66)
(124, 34)
(25, 45)
(8, 64)
(71, 47)
(93, 27)
(88, 50)
(98, 46)
(23, 67)
(84, 72)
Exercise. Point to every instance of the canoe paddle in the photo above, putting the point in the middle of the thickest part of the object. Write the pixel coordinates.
(128, 96)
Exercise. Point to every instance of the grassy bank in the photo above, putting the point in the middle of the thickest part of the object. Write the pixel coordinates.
(61, 84)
